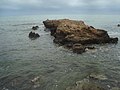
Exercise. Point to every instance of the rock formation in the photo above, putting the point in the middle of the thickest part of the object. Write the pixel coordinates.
(33, 35)
(35, 27)
(70, 32)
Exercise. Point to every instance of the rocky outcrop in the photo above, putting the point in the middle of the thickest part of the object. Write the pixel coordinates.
(33, 35)
(69, 32)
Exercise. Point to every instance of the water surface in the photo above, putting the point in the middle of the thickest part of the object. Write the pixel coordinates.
(22, 59)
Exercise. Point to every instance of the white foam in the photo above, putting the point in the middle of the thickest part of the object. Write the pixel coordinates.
(114, 33)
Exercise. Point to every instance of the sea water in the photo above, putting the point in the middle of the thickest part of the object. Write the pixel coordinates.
(40, 64)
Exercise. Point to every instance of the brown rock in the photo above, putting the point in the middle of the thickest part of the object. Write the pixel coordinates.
(71, 32)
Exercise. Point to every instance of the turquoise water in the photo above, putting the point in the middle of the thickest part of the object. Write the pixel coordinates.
(23, 60)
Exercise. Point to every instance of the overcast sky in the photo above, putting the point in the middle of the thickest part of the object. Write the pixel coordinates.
(16, 7)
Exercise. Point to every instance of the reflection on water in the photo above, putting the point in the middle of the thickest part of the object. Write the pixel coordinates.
(39, 64)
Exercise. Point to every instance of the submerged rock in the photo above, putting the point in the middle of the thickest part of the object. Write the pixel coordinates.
(97, 76)
(86, 85)
(70, 32)
(37, 81)
(33, 35)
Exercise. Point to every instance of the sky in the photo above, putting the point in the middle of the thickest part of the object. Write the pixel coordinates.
(22, 7)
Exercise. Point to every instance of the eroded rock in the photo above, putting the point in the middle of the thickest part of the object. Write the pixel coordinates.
(69, 32)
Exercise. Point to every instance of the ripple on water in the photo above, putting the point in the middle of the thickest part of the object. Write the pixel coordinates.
(41, 65)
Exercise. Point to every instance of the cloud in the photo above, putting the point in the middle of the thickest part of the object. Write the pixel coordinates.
(60, 5)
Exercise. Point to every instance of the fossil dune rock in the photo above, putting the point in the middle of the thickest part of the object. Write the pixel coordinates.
(73, 32)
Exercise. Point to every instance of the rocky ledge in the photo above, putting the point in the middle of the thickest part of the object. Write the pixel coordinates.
(76, 34)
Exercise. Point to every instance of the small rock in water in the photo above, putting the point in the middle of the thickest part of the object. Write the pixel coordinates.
(36, 82)
(118, 25)
(108, 86)
(35, 79)
(35, 27)
(33, 35)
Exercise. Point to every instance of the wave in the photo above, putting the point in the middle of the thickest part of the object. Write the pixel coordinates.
(114, 33)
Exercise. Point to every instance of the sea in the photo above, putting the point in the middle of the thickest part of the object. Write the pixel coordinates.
(40, 64)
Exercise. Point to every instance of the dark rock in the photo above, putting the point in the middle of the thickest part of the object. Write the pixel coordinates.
(118, 25)
(113, 40)
(68, 32)
(33, 35)
(35, 27)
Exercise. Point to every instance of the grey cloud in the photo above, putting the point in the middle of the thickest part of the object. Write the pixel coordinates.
(62, 6)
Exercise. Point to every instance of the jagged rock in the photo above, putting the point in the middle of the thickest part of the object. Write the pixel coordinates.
(71, 32)
(33, 35)
(35, 27)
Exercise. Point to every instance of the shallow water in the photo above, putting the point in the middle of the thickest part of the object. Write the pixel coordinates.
(56, 68)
